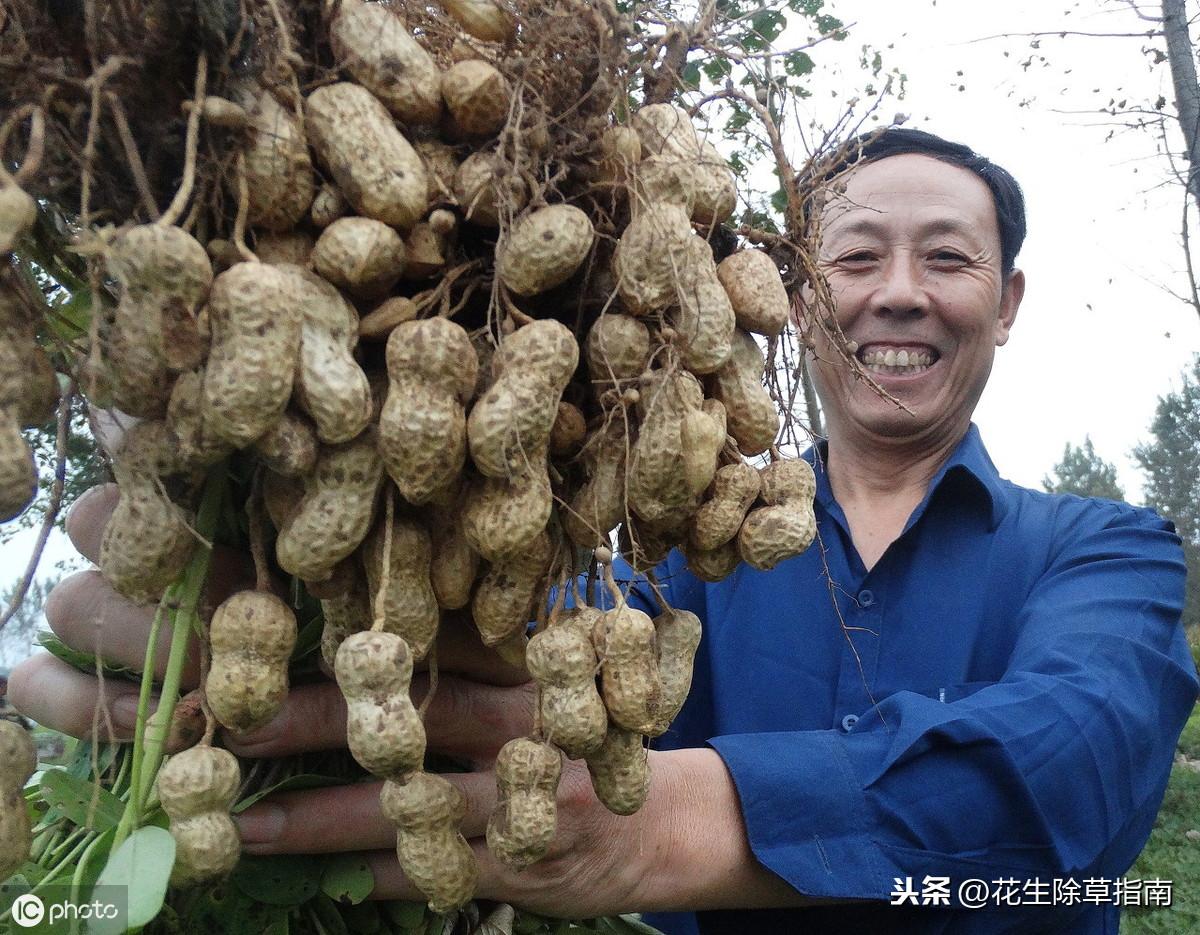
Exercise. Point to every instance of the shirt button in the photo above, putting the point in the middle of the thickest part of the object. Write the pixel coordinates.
(866, 598)
(848, 722)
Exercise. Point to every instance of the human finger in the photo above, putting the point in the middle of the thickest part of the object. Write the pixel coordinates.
(87, 518)
(229, 570)
(465, 719)
(346, 818)
(86, 613)
(460, 651)
(56, 695)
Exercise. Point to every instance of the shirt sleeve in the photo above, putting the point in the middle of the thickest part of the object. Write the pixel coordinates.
(1055, 770)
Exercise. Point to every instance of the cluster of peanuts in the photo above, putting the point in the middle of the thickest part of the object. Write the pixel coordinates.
(414, 467)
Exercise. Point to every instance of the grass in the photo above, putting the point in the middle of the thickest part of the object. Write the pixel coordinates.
(1169, 854)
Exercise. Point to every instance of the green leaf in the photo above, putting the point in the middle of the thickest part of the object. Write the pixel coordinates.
(143, 864)
(690, 75)
(635, 924)
(327, 914)
(223, 908)
(83, 802)
(798, 63)
(279, 880)
(779, 200)
(717, 69)
(83, 661)
(347, 879)
(404, 913)
(302, 781)
(768, 24)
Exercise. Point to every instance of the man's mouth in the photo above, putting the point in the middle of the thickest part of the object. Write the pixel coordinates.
(897, 360)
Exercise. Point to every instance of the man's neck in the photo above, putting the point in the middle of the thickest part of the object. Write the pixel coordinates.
(878, 484)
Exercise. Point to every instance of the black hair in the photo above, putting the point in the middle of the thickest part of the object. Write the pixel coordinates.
(1006, 193)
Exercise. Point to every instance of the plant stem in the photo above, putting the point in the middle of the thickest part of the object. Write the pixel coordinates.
(182, 599)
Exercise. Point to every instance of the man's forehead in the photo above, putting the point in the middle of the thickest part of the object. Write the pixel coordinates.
(944, 196)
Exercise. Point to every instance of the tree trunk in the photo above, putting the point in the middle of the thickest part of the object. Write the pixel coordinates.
(811, 404)
(1187, 91)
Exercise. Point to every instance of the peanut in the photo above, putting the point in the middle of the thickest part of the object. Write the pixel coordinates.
(197, 788)
(344, 614)
(504, 601)
(501, 518)
(255, 319)
(483, 19)
(427, 811)
(374, 166)
(328, 206)
(666, 131)
(520, 830)
(629, 679)
(704, 318)
(656, 482)
(377, 324)
(423, 427)
(755, 290)
(455, 564)
(750, 412)
(146, 542)
(18, 472)
(617, 349)
(544, 249)
(483, 193)
(163, 275)
(785, 526)
(477, 97)
(677, 633)
(252, 634)
(702, 435)
(620, 771)
(714, 565)
(409, 608)
(372, 43)
(599, 504)
(279, 171)
(334, 515)
(562, 660)
(716, 194)
(289, 447)
(383, 730)
(735, 488)
(652, 256)
(330, 385)
(18, 760)
(361, 255)
(509, 427)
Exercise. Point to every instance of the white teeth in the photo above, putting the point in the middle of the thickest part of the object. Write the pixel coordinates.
(893, 361)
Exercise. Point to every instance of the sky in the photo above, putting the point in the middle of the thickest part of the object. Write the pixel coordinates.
(1098, 338)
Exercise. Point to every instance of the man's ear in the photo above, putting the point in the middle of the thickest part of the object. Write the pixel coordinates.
(1010, 301)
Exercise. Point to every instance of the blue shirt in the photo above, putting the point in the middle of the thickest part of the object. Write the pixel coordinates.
(999, 697)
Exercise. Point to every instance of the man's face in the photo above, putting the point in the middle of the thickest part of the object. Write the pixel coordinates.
(912, 256)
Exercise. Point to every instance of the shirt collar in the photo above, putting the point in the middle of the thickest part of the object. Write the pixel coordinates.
(968, 462)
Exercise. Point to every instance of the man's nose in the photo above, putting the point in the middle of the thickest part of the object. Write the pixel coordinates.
(901, 288)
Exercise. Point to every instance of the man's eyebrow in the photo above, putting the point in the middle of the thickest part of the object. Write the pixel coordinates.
(872, 225)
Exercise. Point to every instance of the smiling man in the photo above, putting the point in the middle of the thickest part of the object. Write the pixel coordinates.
(956, 713)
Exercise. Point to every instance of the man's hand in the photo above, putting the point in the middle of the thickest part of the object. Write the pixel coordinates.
(686, 848)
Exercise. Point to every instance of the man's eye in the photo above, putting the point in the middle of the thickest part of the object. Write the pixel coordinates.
(949, 256)
(859, 257)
